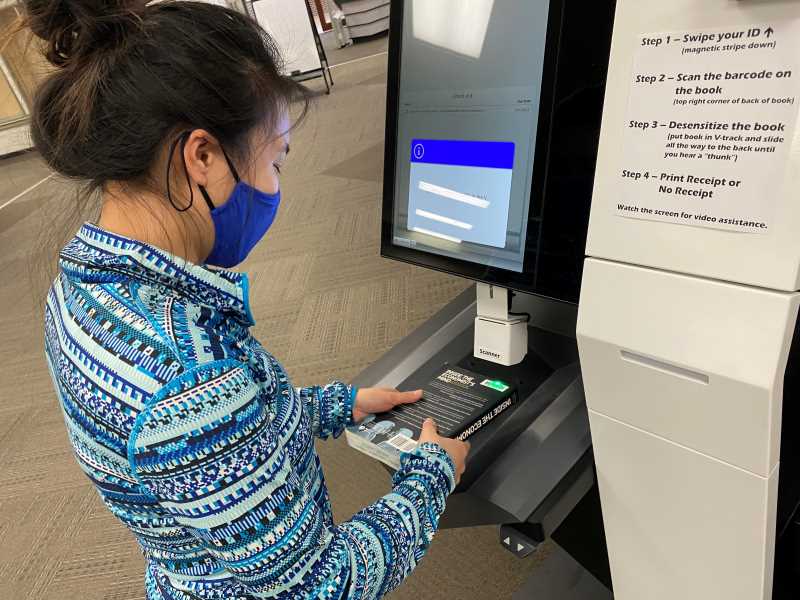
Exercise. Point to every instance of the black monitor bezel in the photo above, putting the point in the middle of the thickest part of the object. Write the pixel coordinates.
(477, 272)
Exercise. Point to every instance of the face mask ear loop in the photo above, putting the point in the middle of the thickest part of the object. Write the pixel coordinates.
(230, 166)
(182, 138)
(235, 174)
(186, 172)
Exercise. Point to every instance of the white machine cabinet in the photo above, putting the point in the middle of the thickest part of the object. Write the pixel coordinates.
(689, 301)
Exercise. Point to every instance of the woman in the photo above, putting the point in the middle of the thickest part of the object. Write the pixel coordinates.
(189, 429)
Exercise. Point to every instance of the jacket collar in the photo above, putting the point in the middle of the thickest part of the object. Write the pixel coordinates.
(95, 255)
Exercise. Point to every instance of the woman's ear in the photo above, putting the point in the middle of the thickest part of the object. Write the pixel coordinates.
(202, 155)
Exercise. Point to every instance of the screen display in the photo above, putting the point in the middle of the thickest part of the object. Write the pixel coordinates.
(470, 86)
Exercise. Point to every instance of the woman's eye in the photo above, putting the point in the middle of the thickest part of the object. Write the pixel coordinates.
(277, 168)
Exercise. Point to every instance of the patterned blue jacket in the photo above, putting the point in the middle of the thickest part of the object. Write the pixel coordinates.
(198, 443)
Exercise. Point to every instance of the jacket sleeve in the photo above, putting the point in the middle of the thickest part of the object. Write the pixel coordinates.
(330, 407)
(205, 448)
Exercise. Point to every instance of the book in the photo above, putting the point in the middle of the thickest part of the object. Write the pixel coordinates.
(460, 401)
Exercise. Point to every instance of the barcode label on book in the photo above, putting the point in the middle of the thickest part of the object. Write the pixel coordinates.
(403, 443)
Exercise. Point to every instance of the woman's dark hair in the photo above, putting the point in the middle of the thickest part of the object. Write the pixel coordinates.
(130, 76)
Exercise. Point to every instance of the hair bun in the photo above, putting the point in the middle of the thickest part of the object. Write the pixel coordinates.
(74, 28)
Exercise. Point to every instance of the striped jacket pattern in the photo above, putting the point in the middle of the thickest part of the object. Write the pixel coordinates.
(197, 442)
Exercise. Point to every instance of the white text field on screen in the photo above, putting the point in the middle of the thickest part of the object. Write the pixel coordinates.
(442, 219)
(453, 194)
(435, 234)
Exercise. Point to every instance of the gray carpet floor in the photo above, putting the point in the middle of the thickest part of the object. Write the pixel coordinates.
(361, 47)
(325, 303)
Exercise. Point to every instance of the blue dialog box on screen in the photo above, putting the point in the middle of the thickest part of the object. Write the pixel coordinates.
(461, 190)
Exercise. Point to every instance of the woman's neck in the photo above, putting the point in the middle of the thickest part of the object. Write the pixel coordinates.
(150, 219)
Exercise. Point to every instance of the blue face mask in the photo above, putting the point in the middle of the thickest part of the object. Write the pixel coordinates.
(241, 222)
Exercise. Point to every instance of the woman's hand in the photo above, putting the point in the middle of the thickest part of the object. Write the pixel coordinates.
(457, 449)
(372, 401)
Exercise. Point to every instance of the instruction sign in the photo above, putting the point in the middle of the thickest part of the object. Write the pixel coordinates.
(710, 126)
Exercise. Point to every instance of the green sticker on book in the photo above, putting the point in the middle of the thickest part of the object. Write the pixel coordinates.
(495, 385)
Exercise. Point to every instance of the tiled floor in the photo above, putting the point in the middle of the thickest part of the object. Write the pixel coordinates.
(325, 303)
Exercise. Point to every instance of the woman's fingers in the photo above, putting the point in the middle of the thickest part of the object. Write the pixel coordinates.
(407, 397)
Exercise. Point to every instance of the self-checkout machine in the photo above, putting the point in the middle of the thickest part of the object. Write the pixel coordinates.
(493, 121)
(688, 314)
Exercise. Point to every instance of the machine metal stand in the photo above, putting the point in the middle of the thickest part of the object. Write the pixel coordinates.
(531, 473)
